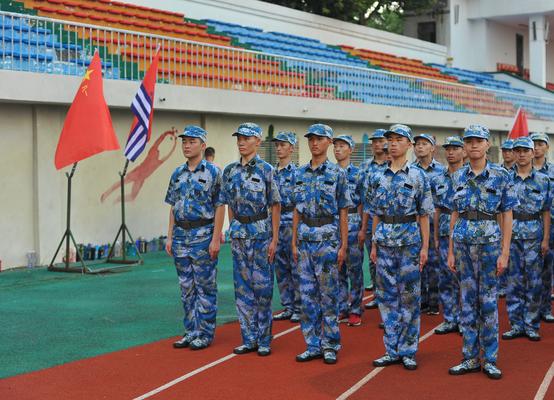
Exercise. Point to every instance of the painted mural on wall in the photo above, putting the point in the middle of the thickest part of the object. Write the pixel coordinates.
(138, 175)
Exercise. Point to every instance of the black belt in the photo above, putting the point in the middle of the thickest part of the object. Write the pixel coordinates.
(526, 217)
(353, 210)
(185, 224)
(397, 219)
(318, 222)
(477, 216)
(251, 218)
(285, 209)
(444, 210)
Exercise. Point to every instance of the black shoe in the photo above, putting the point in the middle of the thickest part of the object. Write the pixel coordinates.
(329, 356)
(386, 360)
(381, 325)
(433, 311)
(513, 334)
(533, 336)
(549, 318)
(264, 351)
(424, 307)
(308, 356)
(283, 316)
(371, 305)
(369, 287)
(466, 367)
(199, 344)
(409, 363)
(182, 343)
(501, 295)
(446, 328)
(492, 371)
(244, 349)
(295, 318)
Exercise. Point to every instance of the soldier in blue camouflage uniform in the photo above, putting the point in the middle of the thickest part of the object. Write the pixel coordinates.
(479, 249)
(250, 190)
(530, 236)
(368, 167)
(449, 286)
(508, 162)
(195, 223)
(285, 267)
(424, 149)
(319, 244)
(400, 201)
(541, 164)
(350, 307)
(508, 157)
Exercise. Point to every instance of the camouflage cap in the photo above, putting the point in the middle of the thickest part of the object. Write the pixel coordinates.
(543, 137)
(249, 129)
(346, 138)
(285, 136)
(476, 131)
(453, 141)
(194, 131)
(525, 142)
(427, 137)
(399, 129)
(320, 130)
(507, 145)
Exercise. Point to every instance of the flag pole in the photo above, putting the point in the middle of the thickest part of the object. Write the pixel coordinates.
(123, 229)
(68, 235)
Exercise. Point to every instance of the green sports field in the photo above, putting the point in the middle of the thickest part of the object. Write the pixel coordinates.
(50, 318)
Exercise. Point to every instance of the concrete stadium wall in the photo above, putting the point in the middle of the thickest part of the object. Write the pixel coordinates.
(33, 193)
(271, 17)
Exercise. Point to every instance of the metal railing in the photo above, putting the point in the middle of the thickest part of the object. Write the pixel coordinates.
(45, 45)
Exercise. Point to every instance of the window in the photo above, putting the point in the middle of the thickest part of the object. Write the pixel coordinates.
(427, 31)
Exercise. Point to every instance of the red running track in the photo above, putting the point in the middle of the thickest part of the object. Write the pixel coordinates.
(139, 370)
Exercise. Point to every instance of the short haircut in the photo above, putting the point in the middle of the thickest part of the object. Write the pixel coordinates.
(209, 152)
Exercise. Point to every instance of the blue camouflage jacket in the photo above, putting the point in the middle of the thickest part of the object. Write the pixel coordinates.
(250, 190)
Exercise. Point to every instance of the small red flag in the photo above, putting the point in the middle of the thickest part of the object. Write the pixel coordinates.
(520, 127)
(88, 128)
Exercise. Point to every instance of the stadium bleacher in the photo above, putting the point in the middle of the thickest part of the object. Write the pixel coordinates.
(211, 53)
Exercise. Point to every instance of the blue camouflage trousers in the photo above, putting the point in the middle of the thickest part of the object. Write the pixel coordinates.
(286, 271)
(398, 285)
(546, 277)
(523, 298)
(430, 278)
(449, 285)
(318, 270)
(197, 279)
(352, 272)
(253, 279)
(476, 265)
(368, 242)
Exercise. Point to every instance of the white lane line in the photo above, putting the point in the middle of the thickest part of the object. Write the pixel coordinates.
(376, 371)
(212, 364)
(184, 377)
(545, 383)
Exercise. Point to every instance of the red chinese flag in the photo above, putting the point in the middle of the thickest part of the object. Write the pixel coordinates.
(87, 129)
(520, 127)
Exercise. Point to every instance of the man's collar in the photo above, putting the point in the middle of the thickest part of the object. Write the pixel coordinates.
(405, 168)
(200, 167)
(252, 162)
(321, 167)
(485, 172)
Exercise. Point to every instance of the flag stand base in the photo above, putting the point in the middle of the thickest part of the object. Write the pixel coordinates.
(123, 231)
(67, 266)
